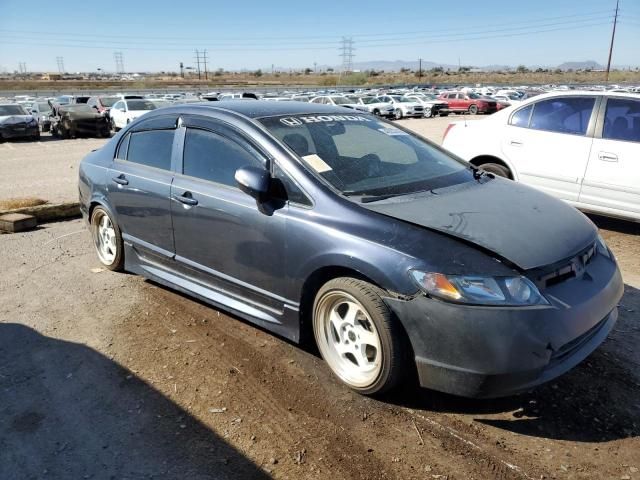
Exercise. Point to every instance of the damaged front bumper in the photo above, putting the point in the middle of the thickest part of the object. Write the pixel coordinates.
(482, 351)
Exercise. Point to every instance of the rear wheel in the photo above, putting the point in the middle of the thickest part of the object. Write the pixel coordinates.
(473, 109)
(107, 239)
(358, 337)
(496, 169)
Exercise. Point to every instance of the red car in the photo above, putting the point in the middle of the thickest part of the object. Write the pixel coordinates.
(460, 102)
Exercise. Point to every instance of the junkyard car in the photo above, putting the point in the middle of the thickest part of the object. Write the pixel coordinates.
(16, 123)
(315, 220)
(375, 106)
(402, 106)
(41, 111)
(125, 111)
(70, 121)
(432, 105)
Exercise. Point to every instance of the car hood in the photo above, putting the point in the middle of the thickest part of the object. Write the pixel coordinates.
(15, 119)
(524, 226)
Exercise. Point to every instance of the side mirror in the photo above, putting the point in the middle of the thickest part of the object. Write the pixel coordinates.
(253, 181)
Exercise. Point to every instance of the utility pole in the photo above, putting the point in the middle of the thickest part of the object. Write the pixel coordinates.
(204, 58)
(315, 64)
(613, 36)
(419, 69)
(117, 56)
(198, 63)
(182, 69)
(60, 62)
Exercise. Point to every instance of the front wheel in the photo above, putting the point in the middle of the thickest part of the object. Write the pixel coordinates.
(428, 113)
(358, 336)
(496, 169)
(398, 114)
(107, 239)
(473, 109)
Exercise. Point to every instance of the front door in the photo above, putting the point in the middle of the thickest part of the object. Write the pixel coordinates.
(221, 236)
(612, 180)
(549, 147)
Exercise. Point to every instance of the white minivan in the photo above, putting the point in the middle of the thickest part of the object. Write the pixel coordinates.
(583, 147)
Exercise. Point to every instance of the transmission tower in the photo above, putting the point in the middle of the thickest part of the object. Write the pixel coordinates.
(347, 54)
(198, 63)
(60, 61)
(117, 56)
(22, 67)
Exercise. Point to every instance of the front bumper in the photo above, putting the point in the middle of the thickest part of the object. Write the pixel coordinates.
(476, 351)
(19, 131)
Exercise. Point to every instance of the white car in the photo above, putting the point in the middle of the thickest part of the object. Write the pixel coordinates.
(340, 101)
(432, 105)
(124, 112)
(402, 106)
(583, 147)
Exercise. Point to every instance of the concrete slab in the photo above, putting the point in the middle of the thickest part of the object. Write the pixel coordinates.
(17, 222)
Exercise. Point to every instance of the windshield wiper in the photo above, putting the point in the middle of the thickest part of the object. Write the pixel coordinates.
(368, 198)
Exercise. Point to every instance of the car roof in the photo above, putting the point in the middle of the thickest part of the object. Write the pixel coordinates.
(259, 109)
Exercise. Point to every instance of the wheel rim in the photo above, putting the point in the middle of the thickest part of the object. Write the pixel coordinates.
(105, 239)
(398, 114)
(348, 339)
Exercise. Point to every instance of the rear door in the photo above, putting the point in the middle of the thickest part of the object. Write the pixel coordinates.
(549, 142)
(140, 186)
(612, 180)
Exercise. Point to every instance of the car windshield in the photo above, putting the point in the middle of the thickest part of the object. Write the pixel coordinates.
(406, 100)
(361, 155)
(63, 100)
(141, 105)
(343, 101)
(109, 101)
(11, 110)
(44, 107)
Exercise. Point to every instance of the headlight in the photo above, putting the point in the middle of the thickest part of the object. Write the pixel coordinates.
(479, 290)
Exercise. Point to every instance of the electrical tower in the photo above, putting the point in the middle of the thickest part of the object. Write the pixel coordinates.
(347, 54)
(198, 63)
(117, 56)
(22, 67)
(60, 62)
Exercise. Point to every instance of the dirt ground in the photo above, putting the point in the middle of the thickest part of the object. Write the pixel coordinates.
(106, 375)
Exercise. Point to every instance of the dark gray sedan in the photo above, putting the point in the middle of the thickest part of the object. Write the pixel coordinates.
(318, 221)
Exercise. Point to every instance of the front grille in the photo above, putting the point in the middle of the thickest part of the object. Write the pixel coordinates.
(418, 109)
(568, 269)
(569, 348)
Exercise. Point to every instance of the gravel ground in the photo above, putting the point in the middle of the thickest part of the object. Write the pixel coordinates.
(106, 375)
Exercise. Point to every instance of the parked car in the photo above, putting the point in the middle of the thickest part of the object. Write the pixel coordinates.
(460, 102)
(15, 122)
(582, 147)
(102, 103)
(41, 112)
(125, 111)
(338, 100)
(433, 107)
(375, 106)
(74, 120)
(311, 220)
(402, 106)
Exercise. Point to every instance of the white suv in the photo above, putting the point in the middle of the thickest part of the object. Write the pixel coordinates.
(583, 147)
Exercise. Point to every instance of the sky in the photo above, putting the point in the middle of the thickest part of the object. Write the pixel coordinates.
(251, 34)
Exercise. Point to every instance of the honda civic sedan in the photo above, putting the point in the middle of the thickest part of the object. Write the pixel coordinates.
(315, 221)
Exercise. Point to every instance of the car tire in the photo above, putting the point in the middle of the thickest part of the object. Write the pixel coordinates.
(496, 169)
(473, 109)
(428, 113)
(113, 125)
(107, 239)
(376, 112)
(397, 114)
(350, 313)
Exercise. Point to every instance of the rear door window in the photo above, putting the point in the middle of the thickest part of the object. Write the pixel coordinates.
(622, 120)
(521, 117)
(151, 148)
(569, 115)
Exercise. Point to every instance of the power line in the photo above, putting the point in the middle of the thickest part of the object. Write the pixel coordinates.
(117, 56)
(347, 54)
(60, 62)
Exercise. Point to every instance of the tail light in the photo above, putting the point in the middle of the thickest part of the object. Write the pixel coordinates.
(449, 127)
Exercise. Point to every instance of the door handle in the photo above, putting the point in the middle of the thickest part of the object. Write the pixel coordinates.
(121, 180)
(607, 157)
(186, 198)
(515, 143)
